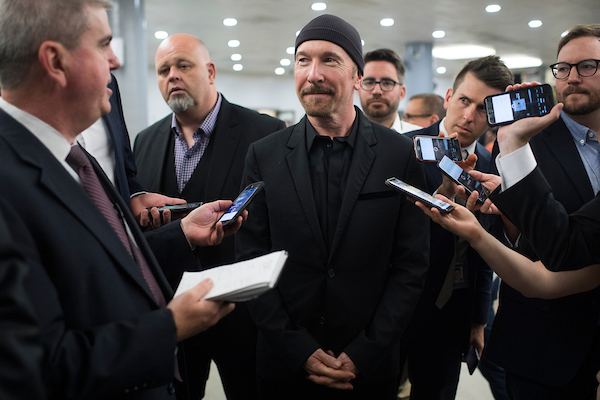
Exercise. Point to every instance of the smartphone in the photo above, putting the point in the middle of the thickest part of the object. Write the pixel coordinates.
(419, 195)
(506, 108)
(462, 177)
(434, 148)
(178, 208)
(472, 359)
(241, 202)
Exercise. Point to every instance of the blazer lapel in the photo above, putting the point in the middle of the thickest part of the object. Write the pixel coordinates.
(362, 160)
(297, 161)
(560, 143)
(55, 179)
(226, 136)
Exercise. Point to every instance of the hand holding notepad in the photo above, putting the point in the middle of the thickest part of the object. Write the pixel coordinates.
(239, 282)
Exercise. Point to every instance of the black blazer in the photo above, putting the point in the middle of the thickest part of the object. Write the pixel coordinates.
(547, 340)
(235, 129)
(574, 238)
(358, 296)
(464, 310)
(102, 332)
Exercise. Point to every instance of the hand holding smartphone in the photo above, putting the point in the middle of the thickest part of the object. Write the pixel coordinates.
(241, 202)
(462, 177)
(434, 148)
(531, 101)
(178, 208)
(419, 195)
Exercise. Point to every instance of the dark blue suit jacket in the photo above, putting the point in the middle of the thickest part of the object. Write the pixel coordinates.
(125, 171)
(102, 332)
(464, 310)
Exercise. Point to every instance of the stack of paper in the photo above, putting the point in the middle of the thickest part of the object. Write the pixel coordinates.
(241, 281)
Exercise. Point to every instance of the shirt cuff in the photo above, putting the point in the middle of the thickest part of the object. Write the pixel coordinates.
(137, 194)
(515, 166)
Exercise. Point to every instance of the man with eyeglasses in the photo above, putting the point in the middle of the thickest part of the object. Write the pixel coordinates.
(382, 89)
(424, 109)
(549, 348)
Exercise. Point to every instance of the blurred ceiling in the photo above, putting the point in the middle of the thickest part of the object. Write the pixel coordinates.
(265, 28)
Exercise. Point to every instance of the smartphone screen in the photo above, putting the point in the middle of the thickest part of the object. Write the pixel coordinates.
(505, 108)
(434, 148)
(241, 202)
(419, 195)
(462, 177)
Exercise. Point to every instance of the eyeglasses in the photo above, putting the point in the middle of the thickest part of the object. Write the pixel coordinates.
(585, 68)
(411, 116)
(387, 85)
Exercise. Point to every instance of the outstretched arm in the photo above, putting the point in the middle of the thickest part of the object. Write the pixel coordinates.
(532, 279)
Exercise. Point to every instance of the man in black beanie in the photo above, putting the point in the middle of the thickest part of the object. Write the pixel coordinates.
(358, 251)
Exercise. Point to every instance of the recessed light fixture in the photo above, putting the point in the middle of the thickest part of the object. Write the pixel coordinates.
(290, 50)
(462, 51)
(441, 70)
(387, 22)
(520, 61)
(238, 67)
(565, 33)
(318, 7)
(230, 22)
(280, 71)
(161, 35)
(493, 8)
(285, 62)
(438, 34)
(536, 23)
(233, 43)
(236, 57)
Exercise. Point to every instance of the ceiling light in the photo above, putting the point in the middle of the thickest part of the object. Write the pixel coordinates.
(536, 23)
(438, 34)
(161, 35)
(318, 7)
(230, 22)
(462, 51)
(493, 8)
(518, 61)
(236, 57)
(297, 33)
(362, 42)
(290, 50)
(565, 33)
(238, 67)
(280, 71)
(387, 22)
(233, 43)
(285, 62)
(441, 70)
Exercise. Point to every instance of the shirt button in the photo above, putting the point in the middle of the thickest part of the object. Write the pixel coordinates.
(322, 320)
(591, 134)
(331, 273)
(188, 156)
(582, 141)
(329, 145)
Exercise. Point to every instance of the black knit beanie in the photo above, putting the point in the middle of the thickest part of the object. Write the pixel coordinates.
(335, 30)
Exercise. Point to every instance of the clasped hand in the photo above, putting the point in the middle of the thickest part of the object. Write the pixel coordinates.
(327, 370)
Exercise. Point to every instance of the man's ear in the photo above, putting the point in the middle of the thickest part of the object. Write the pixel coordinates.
(53, 57)
(212, 72)
(447, 98)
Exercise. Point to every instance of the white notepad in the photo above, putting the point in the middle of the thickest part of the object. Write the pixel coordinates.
(239, 282)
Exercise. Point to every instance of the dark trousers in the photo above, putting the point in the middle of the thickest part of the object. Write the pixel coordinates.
(303, 389)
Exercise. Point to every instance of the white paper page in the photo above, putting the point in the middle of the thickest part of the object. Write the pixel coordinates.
(233, 277)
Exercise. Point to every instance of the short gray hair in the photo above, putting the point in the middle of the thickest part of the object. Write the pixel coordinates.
(26, 24)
